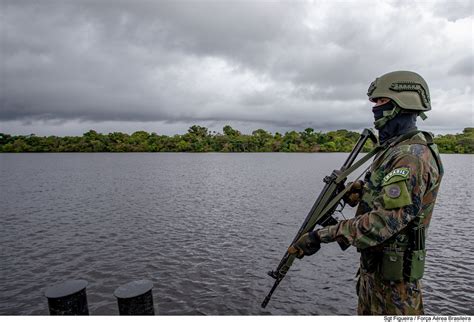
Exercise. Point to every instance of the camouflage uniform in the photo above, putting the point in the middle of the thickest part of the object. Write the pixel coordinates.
(401, 185)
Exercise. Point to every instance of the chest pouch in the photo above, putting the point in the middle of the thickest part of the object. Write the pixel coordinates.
(392, 264)
(394, 259)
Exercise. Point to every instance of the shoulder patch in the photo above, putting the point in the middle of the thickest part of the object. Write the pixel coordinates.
(396, 195)
(402, 173)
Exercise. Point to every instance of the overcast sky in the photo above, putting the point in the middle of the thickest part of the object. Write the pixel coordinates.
(161, 66)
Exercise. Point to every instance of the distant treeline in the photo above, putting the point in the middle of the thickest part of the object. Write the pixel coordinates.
(200, 139)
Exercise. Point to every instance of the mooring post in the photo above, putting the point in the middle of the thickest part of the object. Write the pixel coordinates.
(68, 298)
(135, 298)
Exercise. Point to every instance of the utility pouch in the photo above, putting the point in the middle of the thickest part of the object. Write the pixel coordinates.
(415, 261)
(416, 265)
(392, 264)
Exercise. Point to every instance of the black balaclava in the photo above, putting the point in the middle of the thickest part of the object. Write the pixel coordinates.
(402, 123)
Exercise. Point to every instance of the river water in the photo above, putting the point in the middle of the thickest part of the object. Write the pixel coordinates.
(204, 228)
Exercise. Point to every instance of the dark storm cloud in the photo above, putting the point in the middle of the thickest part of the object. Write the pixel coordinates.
(284, 64)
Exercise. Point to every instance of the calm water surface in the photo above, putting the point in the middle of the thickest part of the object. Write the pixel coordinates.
(204, 228)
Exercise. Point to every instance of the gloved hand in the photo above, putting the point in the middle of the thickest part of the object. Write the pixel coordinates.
(307, 244)
(353, 196)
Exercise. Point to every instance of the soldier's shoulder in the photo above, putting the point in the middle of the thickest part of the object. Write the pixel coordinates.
(416, 152)
(417, 146)
(413, 152)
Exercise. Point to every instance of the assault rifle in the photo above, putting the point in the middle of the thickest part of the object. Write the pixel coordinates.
(325, 205)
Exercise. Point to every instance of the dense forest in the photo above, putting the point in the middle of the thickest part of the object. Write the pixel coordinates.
(200, 139)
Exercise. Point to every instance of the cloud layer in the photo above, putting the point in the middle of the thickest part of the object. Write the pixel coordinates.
(277, 65)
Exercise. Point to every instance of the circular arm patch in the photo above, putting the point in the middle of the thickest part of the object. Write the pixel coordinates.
(393, 191)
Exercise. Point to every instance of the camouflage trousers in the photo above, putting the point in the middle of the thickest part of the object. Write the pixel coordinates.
(378, 297)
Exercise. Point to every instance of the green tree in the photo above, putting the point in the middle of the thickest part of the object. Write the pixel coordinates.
(229, 131)
(199, 131)
(261, 141)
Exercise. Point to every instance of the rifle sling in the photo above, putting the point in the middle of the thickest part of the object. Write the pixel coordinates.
(360, 162)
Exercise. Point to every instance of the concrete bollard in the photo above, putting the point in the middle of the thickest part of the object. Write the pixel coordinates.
(68, 298)
(135, 298)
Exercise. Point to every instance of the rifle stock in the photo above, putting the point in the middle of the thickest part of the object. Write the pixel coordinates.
(319, 214)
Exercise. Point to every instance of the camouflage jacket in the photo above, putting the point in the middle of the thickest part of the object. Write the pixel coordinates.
(401, 185)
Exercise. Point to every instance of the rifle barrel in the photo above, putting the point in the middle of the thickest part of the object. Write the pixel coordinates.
(269, 296)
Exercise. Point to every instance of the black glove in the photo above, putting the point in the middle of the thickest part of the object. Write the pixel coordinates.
(308, 244)
(353, 196)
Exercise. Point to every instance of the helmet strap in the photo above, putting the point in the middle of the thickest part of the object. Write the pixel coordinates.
(423, 115)
(387, 116)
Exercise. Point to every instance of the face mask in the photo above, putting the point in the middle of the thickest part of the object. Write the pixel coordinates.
(378, 110)
(402, 123)
(397, 124)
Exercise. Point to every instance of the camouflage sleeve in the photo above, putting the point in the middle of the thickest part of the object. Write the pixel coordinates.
(394, 206)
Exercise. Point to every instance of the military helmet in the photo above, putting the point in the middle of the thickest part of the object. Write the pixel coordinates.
(407, 89)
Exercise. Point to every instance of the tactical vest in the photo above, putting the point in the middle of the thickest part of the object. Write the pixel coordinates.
(401, 257)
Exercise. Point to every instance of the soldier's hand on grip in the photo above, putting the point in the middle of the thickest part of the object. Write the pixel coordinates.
(353, 196)
(307, 244)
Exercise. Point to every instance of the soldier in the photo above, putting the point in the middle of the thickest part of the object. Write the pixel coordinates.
(396, 201)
